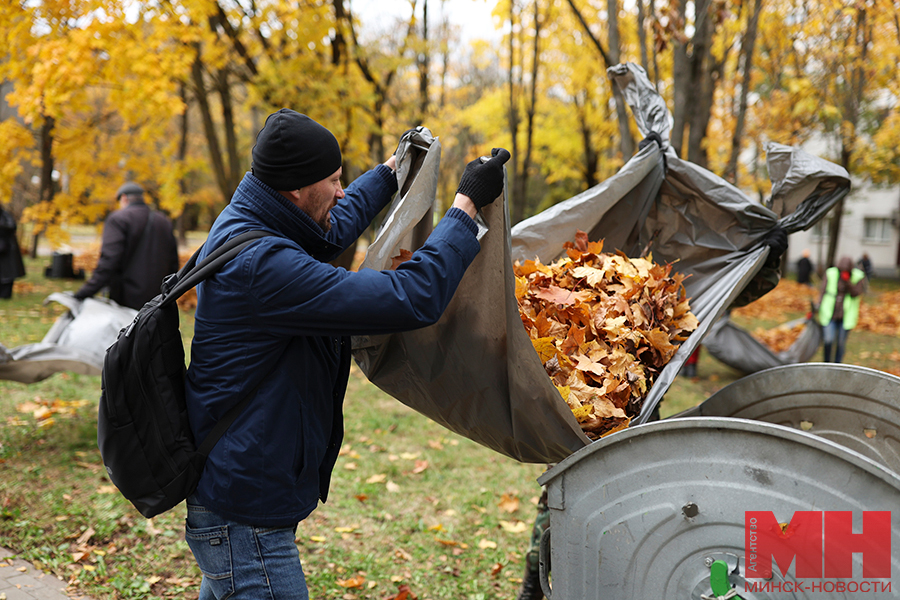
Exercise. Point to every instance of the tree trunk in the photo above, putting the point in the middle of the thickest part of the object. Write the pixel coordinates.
(223, 87)
(209, 129)
(48, 190)
(861, 39)
(180, 222)
(681, 83)
(513, 119)
(651, 4)
(747, 46)
(626, 140)
(424, 64)
(521, 190)
(591, 157)
(642, 35)
(703, 83)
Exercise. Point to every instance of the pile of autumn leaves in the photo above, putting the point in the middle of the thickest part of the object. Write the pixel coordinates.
(604, 326)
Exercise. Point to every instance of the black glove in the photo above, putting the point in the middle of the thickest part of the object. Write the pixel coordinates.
(777, 241)
(651, 137)
(403, 134)
(483, 181)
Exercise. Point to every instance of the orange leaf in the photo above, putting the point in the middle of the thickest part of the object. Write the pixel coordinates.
(558, 295)
(356, 581)
(508, 503)
(401, 258)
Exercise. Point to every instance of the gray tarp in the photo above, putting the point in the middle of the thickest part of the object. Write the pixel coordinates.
(476, 372)
(76, 342)
(738, 349)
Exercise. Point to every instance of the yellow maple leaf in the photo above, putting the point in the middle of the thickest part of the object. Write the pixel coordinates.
(545, 348)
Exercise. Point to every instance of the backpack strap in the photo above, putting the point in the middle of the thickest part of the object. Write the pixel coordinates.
(193, 273)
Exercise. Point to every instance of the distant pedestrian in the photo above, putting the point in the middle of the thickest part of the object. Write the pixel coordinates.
(866, 266)
(804, 269)
(137, 252)
(11, 265)
(842, 292)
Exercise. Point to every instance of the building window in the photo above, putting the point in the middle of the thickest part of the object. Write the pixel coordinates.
(820, 230)
(877, 230)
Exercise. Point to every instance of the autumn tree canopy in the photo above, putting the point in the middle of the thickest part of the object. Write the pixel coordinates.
(172, 93)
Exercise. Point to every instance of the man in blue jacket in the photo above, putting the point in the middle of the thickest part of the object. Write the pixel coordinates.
(276, 321)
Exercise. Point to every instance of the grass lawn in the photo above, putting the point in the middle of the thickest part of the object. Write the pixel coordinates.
(410, 504)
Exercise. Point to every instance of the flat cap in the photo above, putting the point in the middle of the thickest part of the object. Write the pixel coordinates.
(129, 187)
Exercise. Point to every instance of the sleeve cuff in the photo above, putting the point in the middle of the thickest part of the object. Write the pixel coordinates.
(387, 176)
(460, 215)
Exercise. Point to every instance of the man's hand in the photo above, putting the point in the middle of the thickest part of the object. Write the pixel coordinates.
(482, 182)
(777, 241)
(403, 134)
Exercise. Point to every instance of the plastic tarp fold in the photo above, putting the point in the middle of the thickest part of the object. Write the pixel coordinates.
(76, 342)
(476, 371)
(735, 347)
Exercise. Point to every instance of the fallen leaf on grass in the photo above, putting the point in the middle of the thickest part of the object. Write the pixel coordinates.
(377, 478)
(514, 526)
(487, 544)
(356, 581)
(495, 570)
(84, 537)
(392, 487)
(316, 538)
(403, 593)
(508, 503)
(402, 555)
(350, 529)
(421, 465)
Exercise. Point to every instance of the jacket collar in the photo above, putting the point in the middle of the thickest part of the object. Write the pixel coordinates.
(280, 215)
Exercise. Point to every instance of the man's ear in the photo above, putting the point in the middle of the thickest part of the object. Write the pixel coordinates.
(293, 196)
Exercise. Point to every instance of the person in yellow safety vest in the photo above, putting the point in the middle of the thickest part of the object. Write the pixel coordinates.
(842, 291)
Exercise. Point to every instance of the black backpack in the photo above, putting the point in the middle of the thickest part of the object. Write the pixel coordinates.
(142, 430)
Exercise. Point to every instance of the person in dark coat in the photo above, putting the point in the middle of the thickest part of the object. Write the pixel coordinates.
(137, 252)
(865, 265)
(11, 265)
(804, 269)
(275, 323)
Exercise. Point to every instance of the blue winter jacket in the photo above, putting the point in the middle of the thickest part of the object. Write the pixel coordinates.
(279, 317)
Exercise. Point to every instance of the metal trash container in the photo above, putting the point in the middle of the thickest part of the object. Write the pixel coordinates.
(645, 513)
(854, 406)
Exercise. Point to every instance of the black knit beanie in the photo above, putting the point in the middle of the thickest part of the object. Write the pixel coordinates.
(293, 151)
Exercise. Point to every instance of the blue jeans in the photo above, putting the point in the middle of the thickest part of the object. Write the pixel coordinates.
(835, 335)
(241, 561)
